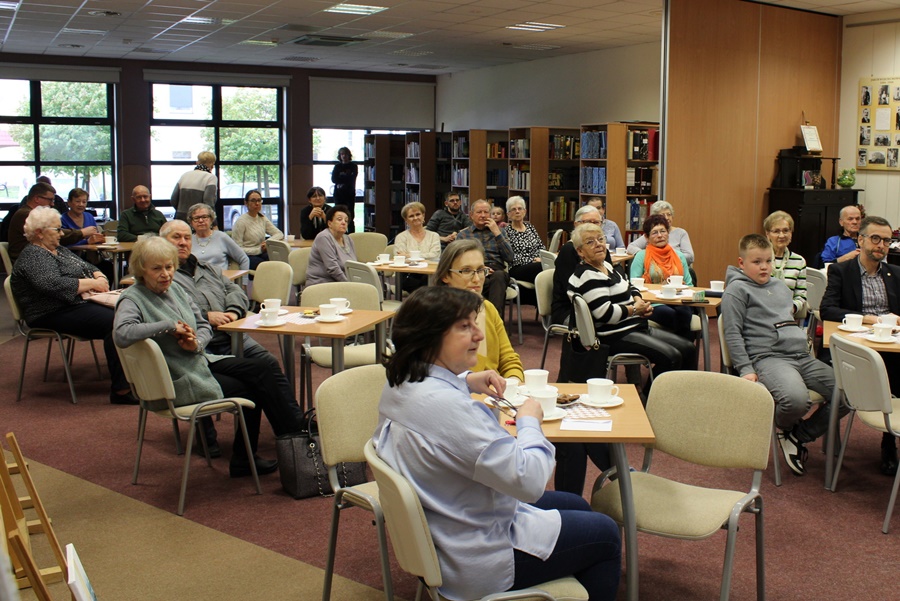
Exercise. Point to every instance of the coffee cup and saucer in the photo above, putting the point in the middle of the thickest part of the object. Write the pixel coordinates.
(328, 313)
(268, 318)
(852, 322)
(883, 334)
(602, 393)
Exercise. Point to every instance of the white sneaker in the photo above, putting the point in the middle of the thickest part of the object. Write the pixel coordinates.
(794, 452)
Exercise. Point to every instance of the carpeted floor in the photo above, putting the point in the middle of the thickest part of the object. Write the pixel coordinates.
(815, 540)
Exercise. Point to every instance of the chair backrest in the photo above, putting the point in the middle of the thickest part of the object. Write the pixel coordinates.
(543, 288)
(146, 370)
(361, 296)
(548, 259)
(364, 274)
(278, 250)
(110, 227)
(555, 240)
(272, 280)
(4, 254)
(816, 283)
(859, 371)
(299, 262)
(584, 322)
(368, 245)
(405, 520)
(13, 304)
(347, 412)
(711, 419)
(727, 364)
(389, 249)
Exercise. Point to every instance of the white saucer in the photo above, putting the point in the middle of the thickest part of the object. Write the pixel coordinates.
(872, 338)
(682, 287)
(556, 414)
(278, 323)
(345, 311)
(283, 311)
(846, 328)
(323, 319)
(613, 402)
(517, 400)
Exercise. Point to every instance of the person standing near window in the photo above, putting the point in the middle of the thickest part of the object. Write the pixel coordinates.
(198, 185)
(344, 179)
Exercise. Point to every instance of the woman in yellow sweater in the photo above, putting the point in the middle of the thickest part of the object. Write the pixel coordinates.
(462, 266)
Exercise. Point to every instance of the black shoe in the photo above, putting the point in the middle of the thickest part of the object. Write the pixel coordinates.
(123, 399)
(214, 449)
(889, 461)
(241, 467)
(794, 452)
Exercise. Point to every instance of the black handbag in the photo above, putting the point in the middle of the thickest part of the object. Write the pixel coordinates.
(579, 364)
(303, 473)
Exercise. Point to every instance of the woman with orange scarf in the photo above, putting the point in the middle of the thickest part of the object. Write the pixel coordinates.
(655, 264)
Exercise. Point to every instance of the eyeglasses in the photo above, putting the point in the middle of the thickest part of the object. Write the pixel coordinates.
(53, 229)
(201, 217)
(48, 198)
(780, 232)
(516, 209)
(592, 242)
(471, 273)
(598, 222)
(453, 200)
(660, 232)
(876, 239)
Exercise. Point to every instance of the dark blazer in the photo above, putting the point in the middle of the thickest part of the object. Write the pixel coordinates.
(844, 291)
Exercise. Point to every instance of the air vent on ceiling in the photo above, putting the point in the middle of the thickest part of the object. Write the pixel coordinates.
(299, 27)
(428, 67)
(331, 41)
(151, 51)
(301, 59)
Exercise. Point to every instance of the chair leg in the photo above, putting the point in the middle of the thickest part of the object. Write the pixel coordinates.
(68, 371)
(728, 565)
(840, 461)
(776, 449)
(47, 359)
(760, 553)
(240, 416)
(142, 424)
(519, 315)
(96, 360)
(891, 502)
(332, 546)
(546, 344)
(179, 450)
(187, 466)
(385, 558)
(22, 371)
(204, 444)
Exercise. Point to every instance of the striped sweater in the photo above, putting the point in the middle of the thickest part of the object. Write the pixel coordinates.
(791, 269)
(608, 296)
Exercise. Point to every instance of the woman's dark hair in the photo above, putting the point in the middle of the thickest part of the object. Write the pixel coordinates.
(330, 213)
(419, 328)
(249, 192)
(654, 220)
(316, 190)
(344, 149)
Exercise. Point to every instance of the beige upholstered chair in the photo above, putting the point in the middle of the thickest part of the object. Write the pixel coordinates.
(366, 274)
(708, 419)
(299, 262)
(860, 374)
(278, 250)
(514, 301)
(4, 256)
(544, 291)
(816, 282)
(555, 241)
(347, 413)
(368, 245)
(548, 260)
(414, 548)
(147, 372)
(273, 279)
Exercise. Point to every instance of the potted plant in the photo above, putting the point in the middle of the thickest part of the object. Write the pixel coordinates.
(847, 178)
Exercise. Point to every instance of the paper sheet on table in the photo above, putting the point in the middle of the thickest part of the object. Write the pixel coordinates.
(602, 425)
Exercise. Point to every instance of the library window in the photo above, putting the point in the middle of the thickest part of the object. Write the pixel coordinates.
(243, 126)
(60, 129)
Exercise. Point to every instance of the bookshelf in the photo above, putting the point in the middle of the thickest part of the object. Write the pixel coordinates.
(383, 165)
(543, 169)
(620, 163)
(480, 167)
(427, 168)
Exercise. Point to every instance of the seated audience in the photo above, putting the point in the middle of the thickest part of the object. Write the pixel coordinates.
(142, 218)
(51, 284)
(526, 245)
(498, 215)
(447, 222)
(58, 203)
(497, 252)
(482, 490)
(610, 228)
(870, 287)
(77, 218)
(331, 249)
(789, 267)
(213, 246)
(844, 246)
(678, 237)
(155, 309)
(768, 347)
(655, 264)
(416, 237)
(312, 216)
(198, 185)
(40, 195)
(251, 229)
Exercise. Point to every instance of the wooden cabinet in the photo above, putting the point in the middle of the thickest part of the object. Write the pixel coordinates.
(815, 214)
(480, 166)
(427, 169)
(383, 167)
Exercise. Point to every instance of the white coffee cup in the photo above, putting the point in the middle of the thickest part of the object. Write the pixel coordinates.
(384, 258)
(638, 283)
(290, 238)
(341, 303)
(717, 285)
(415, 255)
(268, 317)
(512, 387)
(110, 239)
(852, 320)
(546, 397)
(536, 379)
(399, 260)
(601, 390)
(620, 250)
(676, 280)
(328, 311)
(888, 319)
(883, 332)
(668, 291)
(271, 303)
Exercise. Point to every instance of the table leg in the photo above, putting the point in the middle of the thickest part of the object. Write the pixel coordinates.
(704, 336)
(337, 355)
(833, 431)
(630, 525)
(380, 340)
(237, 344)
(117, 266)
(398, 285)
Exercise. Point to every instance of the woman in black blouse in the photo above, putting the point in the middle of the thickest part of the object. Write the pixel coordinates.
(343, 176)
(51, 283)
(312, 216)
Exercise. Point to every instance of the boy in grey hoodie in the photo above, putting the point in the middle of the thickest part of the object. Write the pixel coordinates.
(768, 347)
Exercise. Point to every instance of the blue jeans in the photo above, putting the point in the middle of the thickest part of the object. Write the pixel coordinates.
(588, 548)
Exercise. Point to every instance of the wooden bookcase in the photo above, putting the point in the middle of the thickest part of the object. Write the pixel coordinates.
(383, 165)
(480, 166)
(427, 168)
(543, 169)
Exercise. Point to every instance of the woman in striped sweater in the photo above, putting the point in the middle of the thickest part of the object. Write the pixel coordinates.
(620, 314)
(789, 267)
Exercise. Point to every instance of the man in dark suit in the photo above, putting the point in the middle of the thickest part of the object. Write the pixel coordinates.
(871, 287)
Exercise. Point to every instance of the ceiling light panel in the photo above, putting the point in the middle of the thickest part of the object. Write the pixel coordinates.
(534, 26)
(355, 9)
(9, 5)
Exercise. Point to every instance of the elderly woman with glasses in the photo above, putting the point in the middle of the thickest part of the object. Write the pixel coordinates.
(789, 267)
(213, 246)
(416, 237)
(251, 229)
(525, 241)
(462, 266)
(678, 237)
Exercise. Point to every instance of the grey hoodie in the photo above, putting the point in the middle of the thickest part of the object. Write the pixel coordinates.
(759, 322)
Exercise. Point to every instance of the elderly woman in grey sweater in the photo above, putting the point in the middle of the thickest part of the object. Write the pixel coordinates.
(331, 249)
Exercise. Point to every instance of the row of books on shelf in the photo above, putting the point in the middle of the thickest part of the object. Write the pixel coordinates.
(495, 150)
(520, 149)
(397, 197)
(414, 149)
(564, 147)
(396, 172)
(563, 178)
(497, 178)
(638, 210)
(562, 209)
(643, 144)
(593, 180)
(593, 145)
(641, 180)
(520, 177)
(413, 174)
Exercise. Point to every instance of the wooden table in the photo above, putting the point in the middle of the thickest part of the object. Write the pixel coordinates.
(400, 272)
(357, 322)
(699, 309)
(630, 425)
(118, 249)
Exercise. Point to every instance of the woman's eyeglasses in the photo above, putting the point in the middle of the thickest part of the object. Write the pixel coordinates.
(201, 217)
(471, 273)
(592, 242)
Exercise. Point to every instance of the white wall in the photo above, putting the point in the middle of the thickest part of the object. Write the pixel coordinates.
(621, 84)
(869, 51)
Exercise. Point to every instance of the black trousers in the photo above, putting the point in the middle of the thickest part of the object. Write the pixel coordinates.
(495, 286)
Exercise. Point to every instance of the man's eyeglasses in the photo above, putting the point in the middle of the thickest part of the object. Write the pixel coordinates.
(592, 242)
(48, 198)
(876, 239)
(471, 273)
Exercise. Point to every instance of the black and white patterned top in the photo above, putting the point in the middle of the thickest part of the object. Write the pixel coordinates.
(526, 245)
(43, 282)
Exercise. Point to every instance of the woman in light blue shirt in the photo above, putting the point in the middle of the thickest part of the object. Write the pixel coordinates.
(483, 491)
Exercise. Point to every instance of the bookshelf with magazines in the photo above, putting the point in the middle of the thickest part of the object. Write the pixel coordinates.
(427, 169)
(480, 167)
(384, 195)
(543, 168)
